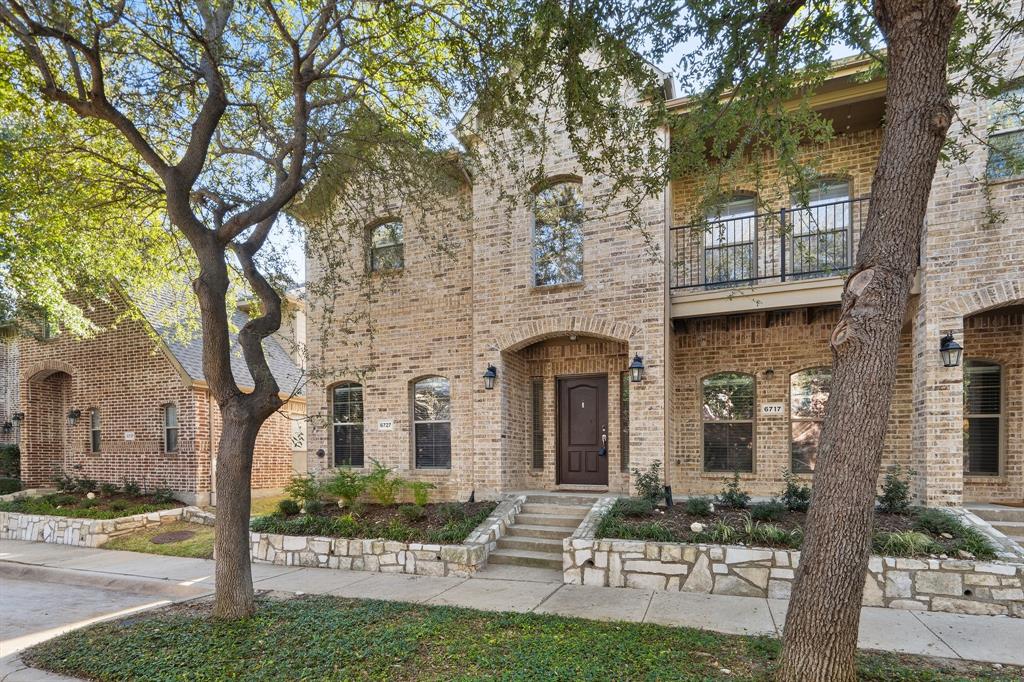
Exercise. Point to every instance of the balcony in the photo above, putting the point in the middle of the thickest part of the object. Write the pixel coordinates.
(785, 258)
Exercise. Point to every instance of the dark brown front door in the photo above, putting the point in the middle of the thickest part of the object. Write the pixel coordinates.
(583, 430)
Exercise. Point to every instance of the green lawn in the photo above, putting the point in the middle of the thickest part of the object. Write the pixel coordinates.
(200, 545)
(328, 638)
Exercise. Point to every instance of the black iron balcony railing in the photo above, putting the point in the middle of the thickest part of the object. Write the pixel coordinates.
(781, 246)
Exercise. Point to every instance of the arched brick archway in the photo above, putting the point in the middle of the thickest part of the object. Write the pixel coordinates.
(985, 298)
(521, 336)
(44, 433)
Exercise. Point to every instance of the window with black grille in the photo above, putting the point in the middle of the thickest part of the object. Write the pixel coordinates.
(537, 419)
(432, 426)
(983, 402)
(348, 424)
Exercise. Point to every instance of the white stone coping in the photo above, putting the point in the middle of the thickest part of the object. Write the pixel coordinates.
(27, 492)
(388, 556)
(68, 530)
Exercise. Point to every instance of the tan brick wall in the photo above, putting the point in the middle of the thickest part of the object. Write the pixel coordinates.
(8, 383)
(785, 342)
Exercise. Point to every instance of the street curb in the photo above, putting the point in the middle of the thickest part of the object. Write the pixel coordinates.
(107, 581)
(14, 669)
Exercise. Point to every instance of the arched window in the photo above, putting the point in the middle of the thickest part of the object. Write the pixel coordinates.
(558, 234)
(347, 401)
(94, 430)
(820, 240)
(808, 394)
(729, 241)
(983, 407)
(387, 247)
(170, 428)
(728, 416)
(432, 426)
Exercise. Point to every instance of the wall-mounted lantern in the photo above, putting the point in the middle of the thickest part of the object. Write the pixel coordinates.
(636, 369)
(950, 350)
(17, 418)
(489, 376)
(73, 417)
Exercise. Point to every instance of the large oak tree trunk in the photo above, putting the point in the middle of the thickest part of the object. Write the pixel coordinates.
(234, 595)
(821, 628)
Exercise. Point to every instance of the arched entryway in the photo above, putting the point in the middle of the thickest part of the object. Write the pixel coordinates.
(45, 431)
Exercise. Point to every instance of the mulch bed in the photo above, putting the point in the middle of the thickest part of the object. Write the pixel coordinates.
(678, 521)
(434, 518)
(173, 536)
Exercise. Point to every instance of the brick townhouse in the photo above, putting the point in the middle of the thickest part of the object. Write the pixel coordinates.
(507, 365)
(131, 403)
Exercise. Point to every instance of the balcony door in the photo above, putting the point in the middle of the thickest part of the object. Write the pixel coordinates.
(819, 242)
(729, 242)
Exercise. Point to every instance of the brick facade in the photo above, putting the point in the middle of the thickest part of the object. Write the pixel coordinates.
(8, 383)
(128, 376)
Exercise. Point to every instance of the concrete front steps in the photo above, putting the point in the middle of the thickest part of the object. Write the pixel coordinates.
(535, 539)
(1007, 520)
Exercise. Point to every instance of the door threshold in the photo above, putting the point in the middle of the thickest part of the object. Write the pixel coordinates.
(581, 488)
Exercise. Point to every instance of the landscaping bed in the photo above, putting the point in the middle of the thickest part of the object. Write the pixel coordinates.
(109, 505)
(171, 539)
(326, 637)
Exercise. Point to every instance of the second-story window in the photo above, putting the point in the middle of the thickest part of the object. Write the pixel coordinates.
(729, 240)
(819, 242)
(387, 247)
(170, 428)
(558, 234)
(1006, 139)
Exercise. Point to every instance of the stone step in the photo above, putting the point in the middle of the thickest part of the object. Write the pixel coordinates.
(562, 498)
(530, 543)
(547, 532)
(574, 512)
(522, 557)
(1000, 514)
(548, 520)
(1011, 529)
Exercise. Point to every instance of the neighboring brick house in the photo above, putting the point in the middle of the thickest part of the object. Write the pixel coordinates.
(732, 327)
(131, 403)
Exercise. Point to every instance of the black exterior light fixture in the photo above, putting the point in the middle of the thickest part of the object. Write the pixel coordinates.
(950, 350)
(489, 376)
(17, 418)
(636, 369)
(73, 416)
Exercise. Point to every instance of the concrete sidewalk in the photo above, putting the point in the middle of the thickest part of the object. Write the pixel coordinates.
(994, 639)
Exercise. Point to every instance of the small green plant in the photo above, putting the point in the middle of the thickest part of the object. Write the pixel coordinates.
(412, 512)
(904, 543)
(119, 505)
(773, 510)
(288, 507)
(313, 506)
(421, 492)
(163, 495)
(9, 485)
(347, 485)
(719, 533)
(304, 489)
(86, 485)
(88, 504)
(732, 496)
(10, 461)
(654, 531)
(382, 485)
(698, 506)
(895, 497)
(452, 512)
(131, 487)
(64, 483)
(796, 496)
(937, 522)
(108, 489)
(973, 541)
(633, 506)
(648, 483)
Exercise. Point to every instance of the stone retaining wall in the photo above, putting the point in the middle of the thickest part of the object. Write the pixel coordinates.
(63, 530)
(956, 586)
(386, 556)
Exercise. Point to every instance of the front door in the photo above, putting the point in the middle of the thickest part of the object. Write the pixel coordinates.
(583, 430)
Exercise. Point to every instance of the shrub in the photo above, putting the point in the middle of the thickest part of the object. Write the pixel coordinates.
(421, 492)
(9, 485)
(653, 531)
(937, 522)
(10, 461)
(719, 533)
(86, 485)
(974, 541)
(304, 489)
(313, 506)
(288, 507)
(732, 495)
(698, 506)
(131, 487)
(397, 531)
(773, 510)
(347, 485)
(796, 496)
(108, 489)
(904, 543)
(64, 483)
(895, 497)
(452, 512)
(61, 500)
(382, 485)
(163, 495)
(119, 505)
(412, 512)
(648, 484)
(632, 506)
(88, 504)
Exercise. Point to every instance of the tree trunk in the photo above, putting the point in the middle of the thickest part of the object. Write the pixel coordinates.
(820, 637)
(234, 594)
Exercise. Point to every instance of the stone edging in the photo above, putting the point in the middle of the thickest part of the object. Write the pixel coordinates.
(66, 530)
(387, 556)
(27, 492)
(952, 585)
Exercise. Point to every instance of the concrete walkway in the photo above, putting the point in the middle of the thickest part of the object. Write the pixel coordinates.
(994, 639)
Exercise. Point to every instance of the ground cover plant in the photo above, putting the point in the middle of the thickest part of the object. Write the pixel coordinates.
(86, 501)
(170, 539)
(329, 638)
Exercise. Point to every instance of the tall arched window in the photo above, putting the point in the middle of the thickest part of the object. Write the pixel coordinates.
(983, 408)
(347, 399)
(558, 234)
(432, 426)
(808, 394)
(387, 247)
(728, 416)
